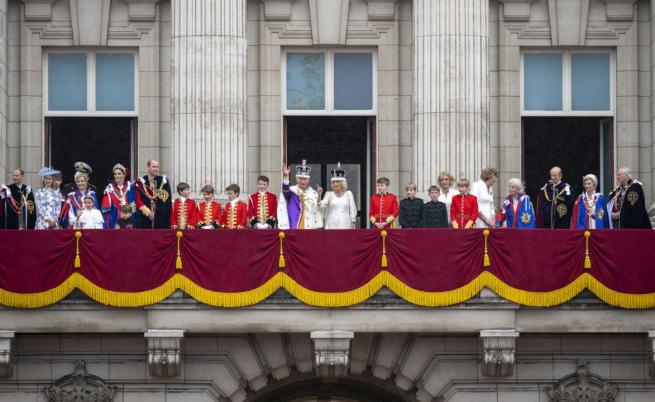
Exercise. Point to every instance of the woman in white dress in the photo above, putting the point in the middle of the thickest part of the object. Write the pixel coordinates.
(338, 205)
(47, 200)
(483, 189)
(446, 190)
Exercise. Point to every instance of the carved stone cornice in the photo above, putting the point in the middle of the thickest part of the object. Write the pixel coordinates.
(582, 386)
(516, 10)
(277, 10)
(620, 10)
(568, 21)
(80, 386)
(329, 21)
(90, 21)
(381, 10)
(38, 10)
(164, 354)
(331, 352)
(6, 366)
(651, 336)
(142, 10)
(499, 352)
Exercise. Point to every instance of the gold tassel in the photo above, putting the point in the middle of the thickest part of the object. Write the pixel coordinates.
(587, 260)
(78, 263)
(487, 261)
(384, 263)
(281, 262)
(178, 260)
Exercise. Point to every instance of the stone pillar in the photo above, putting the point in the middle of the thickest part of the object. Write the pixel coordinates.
(451, 83)
(208, 95)
(4, 98)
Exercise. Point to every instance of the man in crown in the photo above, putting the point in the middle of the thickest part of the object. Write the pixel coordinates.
(153, 199)
(299, 206)
(262, 206)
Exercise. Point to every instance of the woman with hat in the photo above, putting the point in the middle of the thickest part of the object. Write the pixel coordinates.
(47, 200)
(338, 205)
(119, 192)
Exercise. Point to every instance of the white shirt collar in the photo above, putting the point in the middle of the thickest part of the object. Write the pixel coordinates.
(234, 202)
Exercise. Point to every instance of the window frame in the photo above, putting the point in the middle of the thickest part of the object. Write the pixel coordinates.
(567, 88)
(329, 83)
(90, 84)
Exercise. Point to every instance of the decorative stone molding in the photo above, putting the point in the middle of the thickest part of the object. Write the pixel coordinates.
(582, 386)
(516, 10)
(651, 335)
(331, 352)
(329, 21)
(620, 10)
(568, 22)
(164, 354)
(381, 10)
(277, 10)
(80, 386)
(6, 367)
(38, 10)
(142, 10)
(90, 21)
(499, 352)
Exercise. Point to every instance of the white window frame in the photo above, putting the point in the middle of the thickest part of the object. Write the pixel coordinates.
(567, 88)
(329, 83)
(90, 85)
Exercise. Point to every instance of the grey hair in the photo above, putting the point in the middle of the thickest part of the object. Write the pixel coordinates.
(79, 174)
(627, 171)
(591, 177)
(516, 183)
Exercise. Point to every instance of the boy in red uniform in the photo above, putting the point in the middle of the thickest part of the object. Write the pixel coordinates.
(209, 211)
(464, 207)
(384, 206)
(262, 206)
(185, 211)
(235, 215)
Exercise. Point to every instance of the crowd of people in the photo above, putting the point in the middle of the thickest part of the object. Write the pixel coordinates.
(147, 203)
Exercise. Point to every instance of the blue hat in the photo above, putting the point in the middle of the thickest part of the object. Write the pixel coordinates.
(48, 171)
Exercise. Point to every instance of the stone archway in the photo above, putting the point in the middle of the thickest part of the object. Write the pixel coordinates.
(351, 388)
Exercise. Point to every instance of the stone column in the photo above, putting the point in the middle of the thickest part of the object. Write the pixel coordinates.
(4, 98)
(208, 95)
(451, 100)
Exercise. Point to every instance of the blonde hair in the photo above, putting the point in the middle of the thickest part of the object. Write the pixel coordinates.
(343, 183)
(446, 174)
(463, 182)
(410, 186)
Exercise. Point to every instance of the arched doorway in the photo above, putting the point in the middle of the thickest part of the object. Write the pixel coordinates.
(310, 388)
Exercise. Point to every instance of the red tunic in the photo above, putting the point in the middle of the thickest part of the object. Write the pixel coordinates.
(235, 218)
(262, 209)
(384, 208)
(464, 211)
(209, 214)
(184, 215)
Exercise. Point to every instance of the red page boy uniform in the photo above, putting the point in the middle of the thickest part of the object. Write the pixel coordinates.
(464, 211)
(209, 214)
(262, 210)
(383, 209)
(235, 215)
(185, 214)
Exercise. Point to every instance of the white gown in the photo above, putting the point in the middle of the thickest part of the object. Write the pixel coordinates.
(340, 212)
(485, 202)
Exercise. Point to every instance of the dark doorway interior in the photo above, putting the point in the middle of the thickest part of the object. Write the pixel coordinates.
(325, 141)
(99, 141)
(579, 145)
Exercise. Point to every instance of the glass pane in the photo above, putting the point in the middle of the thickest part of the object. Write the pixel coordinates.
(590, 81)
(353, 81)
(115, 81)
(305, 81)
(542, 81)
(66, 81)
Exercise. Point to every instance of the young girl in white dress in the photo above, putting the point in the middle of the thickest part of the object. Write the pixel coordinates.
(338, 205)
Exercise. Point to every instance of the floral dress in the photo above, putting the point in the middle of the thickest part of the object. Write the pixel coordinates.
(48, 205)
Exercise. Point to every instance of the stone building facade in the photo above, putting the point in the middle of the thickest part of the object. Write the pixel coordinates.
(223, 91)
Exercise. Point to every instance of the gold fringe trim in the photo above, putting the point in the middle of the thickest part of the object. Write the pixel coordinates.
(321, 299)
(434, 299)
(339, 299)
